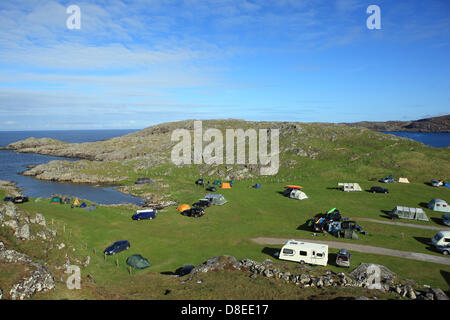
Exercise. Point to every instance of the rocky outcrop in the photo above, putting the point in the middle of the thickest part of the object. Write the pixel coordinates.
(12, 217)
(357, 278)
(68, 171)
(375, 272)
(38, 279)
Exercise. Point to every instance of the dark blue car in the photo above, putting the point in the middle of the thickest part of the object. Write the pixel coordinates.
(144, 214)
(117, 247)
(446, 219)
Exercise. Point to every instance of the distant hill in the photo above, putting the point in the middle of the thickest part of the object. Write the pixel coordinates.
(327, 150)
(434, 124)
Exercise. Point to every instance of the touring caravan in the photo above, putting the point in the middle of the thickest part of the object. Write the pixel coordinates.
(349, 187)
(439, 205)
(304, 252)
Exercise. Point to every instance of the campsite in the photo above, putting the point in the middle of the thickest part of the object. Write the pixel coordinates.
(246, 214)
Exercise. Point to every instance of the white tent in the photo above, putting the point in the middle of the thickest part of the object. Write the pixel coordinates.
(349, 187)
(403, 180)
(297, 194)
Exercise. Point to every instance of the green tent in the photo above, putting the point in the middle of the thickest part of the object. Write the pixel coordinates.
(138, 262)
(217, 183)
(56, 200)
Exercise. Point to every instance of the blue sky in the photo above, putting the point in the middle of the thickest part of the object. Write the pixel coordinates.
(138, 63)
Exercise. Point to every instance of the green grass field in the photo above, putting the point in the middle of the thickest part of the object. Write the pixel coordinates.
(172, 240)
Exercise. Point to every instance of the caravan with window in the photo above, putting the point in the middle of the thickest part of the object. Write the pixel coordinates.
(304, 252)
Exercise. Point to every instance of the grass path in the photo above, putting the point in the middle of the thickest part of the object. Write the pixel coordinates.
(362, 248)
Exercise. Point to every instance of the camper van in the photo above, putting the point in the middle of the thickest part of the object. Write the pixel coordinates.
(304, 252)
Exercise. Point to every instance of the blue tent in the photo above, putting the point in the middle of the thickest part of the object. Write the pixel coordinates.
(83, 205)
(447, 185)
(257, 186)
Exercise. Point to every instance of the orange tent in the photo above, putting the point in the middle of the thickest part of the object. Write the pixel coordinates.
(183, 207)
(293, 187)
(226, 185)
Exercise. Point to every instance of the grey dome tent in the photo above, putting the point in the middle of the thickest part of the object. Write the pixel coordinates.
(216, 199)
(138, 262)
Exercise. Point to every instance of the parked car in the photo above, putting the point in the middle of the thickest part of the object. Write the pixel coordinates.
(443, 250)
(446, 219)
(389, 179)
(144, 214)
(194, 212)
(377, 189)
(343, 258)
(117, 247)
(441, 239)
(202, 203)
(20, 199)
(437, 183)
(6, 199)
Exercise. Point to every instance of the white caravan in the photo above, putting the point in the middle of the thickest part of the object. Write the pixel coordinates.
(304, 252)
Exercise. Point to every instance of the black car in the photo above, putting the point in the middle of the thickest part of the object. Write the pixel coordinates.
(194, 212)
(202, 203)
(117, 247)
(6, 199)
(20, 199)
(377, 189)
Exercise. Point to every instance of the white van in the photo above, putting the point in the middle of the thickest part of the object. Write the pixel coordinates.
(441, 239)
(304, 252)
